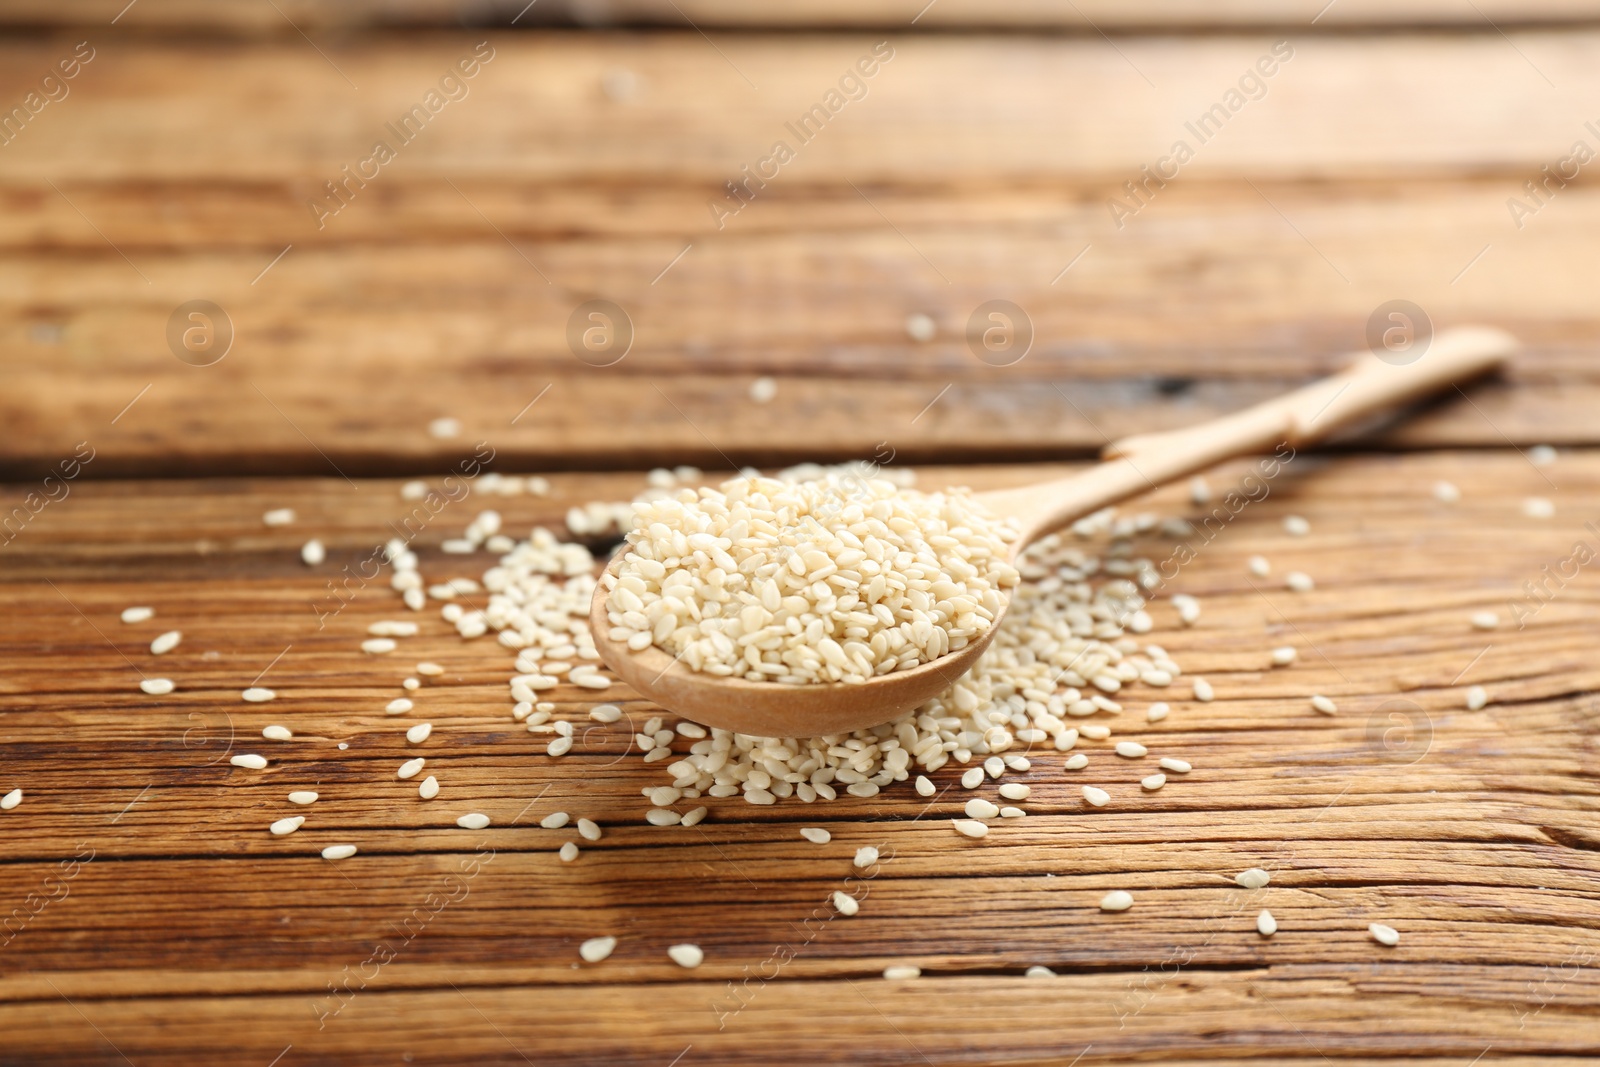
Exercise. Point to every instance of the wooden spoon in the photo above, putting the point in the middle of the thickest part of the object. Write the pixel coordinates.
(1133, 465)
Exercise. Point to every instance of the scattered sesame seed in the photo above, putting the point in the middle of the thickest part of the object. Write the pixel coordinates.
(1015, 791)
(302, 797)
(338, 852)
(1131, 750)
(138, 614)
(1537, 507)
(1098, 797)
(250, 762)
(11, 800)
(844, 903)
(589, 830)
(444, 428)
(1384, 935)
(156, 687)
(1203, 691)
(568, 851)
(1038, 972)
(1009, 812)
(596, 949)
(411, 684)
(378, 646)
(1284, 655)
(258, 695)
(816, 835)
(1296, 525)
(970, 827)
(668, 817)
(279, 517)
(287, 825)
(432, 670)
(429, 788)
(277, 733)
(398, 706)
(410, 768)
(979, 808)
(555, 820)
(605, 713)
(866, 856)
(1153, 782)
(1258, 566)
(1477, 697)
(1324, 705)
(1076, 762)
(921, 327)
(473, 820)
(1446, 492)
(1116, 900)
(1299, 582)
(688, 956)
(1094, 731)
(925, 786)
(413, 490)
(1266, 925)
(1157, 711)
(902, 972)
(1199, 490)
(1254, 878)
(559, 747)
(972, 778)
(166, 642)
(1176, 766)
(419, 733)
(1541, 455)
(762, 390)
(1485, 620)
(313, 553)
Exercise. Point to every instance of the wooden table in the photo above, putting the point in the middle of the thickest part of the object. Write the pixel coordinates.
(150, 917)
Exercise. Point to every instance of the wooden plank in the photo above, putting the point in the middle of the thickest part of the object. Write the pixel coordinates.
(243, 17)
(1473, 836)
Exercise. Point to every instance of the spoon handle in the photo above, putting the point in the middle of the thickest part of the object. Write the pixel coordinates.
(1143, 462)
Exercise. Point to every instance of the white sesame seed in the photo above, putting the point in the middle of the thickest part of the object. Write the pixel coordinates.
(338, 852)
(1203, 691)
(138, 614)
(902, 972)
(1098, 797)
(845, 904)
(287, 825)
(925, 786)
(1157, 711)
(1299, 582)
(1446, 492)
(1537, 507)
(1131, 750)
(972, 778)
(419, 733)
(589, 830)
(1384, 935)
(1015, 791)
(398, 706)
(921, 327)
(970, 827)
(979, 808)
(411, 684)
(249, 762)
(559, 747)
(1009, 812)
(1258, 566)
(429, 788)
(1094, 731)
(279, 517)
(11, 800)
(1176, 766)
(1076, 762)
(1323, 704)
(1485, 620)
(157, 687)
(1188, 608)
(1116, 900)
(1199, 490)
(277, 733)
(688, 956)
(816, 835)
(473, 820)
(414, 490)
(1296, 525)
(555, 820)
(668, 817)
(258, 695)
(394, 628)
(568, 851)
(1284, 655)
(378, 646)
(762, 390)
(1038, 972)
(605, 713)
(1266, 925)
(1541, 455)
(302, 797)
(596, 949)
(866, 856)
(166, 642)
(431, 670)
(313, 553)
(1254, 878)
(1477, 697)
(1153, 782)
(444, 428)
(410, 768)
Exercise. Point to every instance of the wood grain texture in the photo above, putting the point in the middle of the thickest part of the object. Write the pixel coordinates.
(192, 930)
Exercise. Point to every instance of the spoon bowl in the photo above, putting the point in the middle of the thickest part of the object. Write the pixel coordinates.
(1134, 465)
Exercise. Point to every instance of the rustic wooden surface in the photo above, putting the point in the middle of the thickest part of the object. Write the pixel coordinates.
(1377, 166)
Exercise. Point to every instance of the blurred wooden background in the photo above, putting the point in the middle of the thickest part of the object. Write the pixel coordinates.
(1381, 161)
